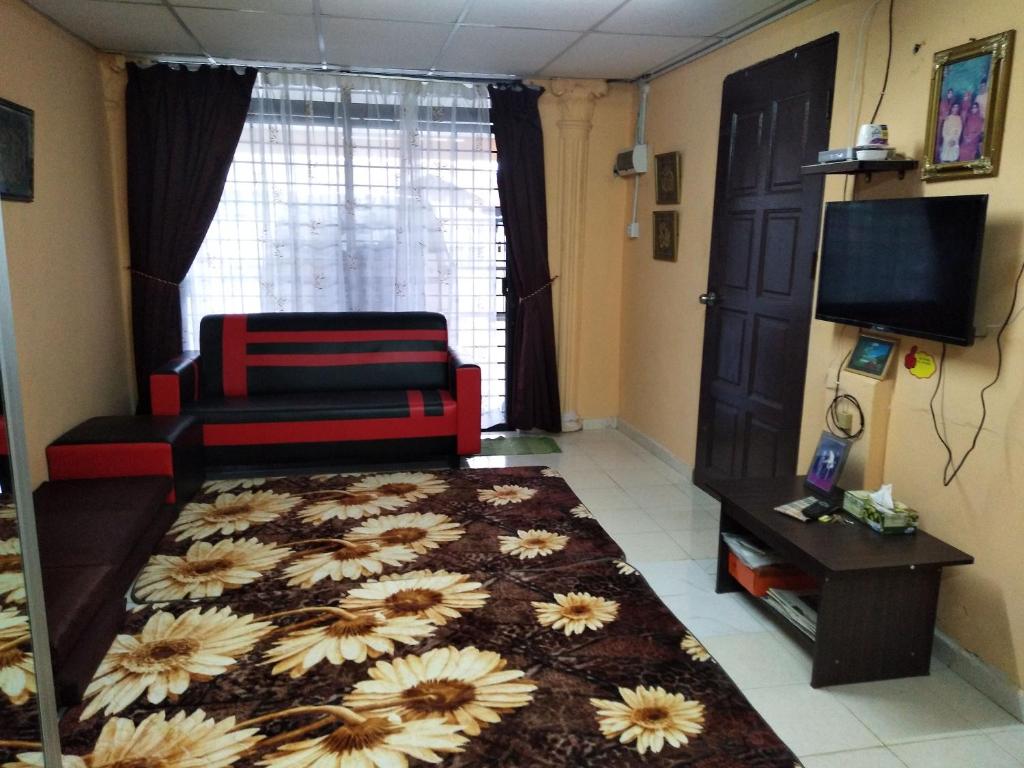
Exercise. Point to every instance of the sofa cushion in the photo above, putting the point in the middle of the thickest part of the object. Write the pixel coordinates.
(296, 352)
(320, 406)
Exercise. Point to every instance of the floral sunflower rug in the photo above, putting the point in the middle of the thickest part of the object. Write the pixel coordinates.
(464, 618)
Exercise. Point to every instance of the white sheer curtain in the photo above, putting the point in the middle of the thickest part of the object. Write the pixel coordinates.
(361, 193)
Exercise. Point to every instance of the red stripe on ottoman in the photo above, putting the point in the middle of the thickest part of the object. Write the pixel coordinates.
(336, 430)
(89, 461)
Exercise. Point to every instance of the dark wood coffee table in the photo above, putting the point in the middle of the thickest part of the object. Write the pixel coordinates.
(876, 611)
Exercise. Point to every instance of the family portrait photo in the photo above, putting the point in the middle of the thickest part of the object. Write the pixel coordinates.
(968, 103)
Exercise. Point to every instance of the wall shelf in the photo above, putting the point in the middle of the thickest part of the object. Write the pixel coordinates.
(866, 167)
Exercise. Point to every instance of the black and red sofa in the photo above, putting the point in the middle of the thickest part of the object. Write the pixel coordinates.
(304, 389)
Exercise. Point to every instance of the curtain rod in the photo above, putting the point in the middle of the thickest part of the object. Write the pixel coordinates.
(401, 74)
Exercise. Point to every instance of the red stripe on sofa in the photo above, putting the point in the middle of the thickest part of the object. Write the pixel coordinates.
(350, 358)
(416, 407)
(311, 337)
(233, 345)
(164, 395)
(90, 461)
(337, 430)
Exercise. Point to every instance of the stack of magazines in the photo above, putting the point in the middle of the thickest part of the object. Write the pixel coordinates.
(789, 604)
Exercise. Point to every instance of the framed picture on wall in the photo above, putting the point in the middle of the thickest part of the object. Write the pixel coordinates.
(967, 109)
(666, 235)
(667, 168)
(16, 163)
(871, 356)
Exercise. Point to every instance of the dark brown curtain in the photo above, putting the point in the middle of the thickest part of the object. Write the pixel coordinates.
(533, 391)
(183, 127)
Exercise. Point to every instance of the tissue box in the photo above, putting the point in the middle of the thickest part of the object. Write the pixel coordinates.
(902, 519)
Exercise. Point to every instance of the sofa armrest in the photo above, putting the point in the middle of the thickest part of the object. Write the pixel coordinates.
(174, 383)
(465, 387)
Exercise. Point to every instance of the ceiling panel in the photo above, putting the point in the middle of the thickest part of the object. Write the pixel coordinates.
(618, 56)
(397, 10)
(683, 17)
(503, 51)
(381, 44)
(119, 26)
(541, 14)
(299, 7)
(262, 36)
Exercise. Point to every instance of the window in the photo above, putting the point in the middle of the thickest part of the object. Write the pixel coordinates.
(359, 194)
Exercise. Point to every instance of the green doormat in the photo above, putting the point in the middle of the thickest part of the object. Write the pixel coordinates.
(517, 446)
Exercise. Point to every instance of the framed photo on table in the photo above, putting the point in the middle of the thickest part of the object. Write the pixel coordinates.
(828, 462)
(970, 85)
(871, 356)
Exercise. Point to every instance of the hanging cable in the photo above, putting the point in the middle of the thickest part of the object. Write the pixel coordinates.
(832, 413)
(949, 471)
(888, 64)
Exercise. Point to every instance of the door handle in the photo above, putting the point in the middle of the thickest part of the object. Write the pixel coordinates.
(708, 299)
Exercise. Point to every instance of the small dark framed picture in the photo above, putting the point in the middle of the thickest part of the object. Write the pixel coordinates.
(666, 235)
(16, 139)
(967, 110)
(828, 462)
(872, 356)
(667, 173)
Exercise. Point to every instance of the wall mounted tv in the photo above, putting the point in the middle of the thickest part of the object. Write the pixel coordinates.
(907, 266)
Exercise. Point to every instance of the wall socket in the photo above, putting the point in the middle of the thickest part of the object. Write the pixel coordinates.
(633, 230)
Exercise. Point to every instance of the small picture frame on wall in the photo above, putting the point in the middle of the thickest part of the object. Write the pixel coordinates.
(667, 168)
(666, 235)
(967, 110)
(16, 149)
(871, 356)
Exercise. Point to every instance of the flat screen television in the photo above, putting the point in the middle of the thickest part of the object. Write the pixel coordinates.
(907, 266)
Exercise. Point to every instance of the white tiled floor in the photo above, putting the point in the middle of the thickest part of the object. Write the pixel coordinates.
(668, 529)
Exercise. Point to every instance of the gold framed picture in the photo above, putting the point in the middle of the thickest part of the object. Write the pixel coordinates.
(666, 235)
(667, 181)
(967, 109)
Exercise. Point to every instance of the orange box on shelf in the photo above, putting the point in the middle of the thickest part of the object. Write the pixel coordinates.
(758, 582)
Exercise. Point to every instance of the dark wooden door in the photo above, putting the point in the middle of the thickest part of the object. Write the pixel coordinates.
(775, 118)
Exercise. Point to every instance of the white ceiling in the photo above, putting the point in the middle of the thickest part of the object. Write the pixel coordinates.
(527, 38)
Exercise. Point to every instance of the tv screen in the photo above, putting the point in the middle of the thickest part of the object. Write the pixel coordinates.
(905, 266)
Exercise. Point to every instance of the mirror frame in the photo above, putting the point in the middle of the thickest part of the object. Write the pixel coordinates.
(46, 699)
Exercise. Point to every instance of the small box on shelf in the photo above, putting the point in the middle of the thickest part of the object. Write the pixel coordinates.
(757, 581)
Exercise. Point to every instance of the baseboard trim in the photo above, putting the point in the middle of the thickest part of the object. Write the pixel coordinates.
(608, 423)
(983, 676)
(654, 447)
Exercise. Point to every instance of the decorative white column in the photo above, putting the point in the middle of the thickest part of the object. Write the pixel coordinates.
(576, 100)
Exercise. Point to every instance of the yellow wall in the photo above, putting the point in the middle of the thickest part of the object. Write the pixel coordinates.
(71, 334)
(601, 325)
(982, 606)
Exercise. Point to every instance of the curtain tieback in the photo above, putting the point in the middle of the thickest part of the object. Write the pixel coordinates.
(155, 279)
(534, 293)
